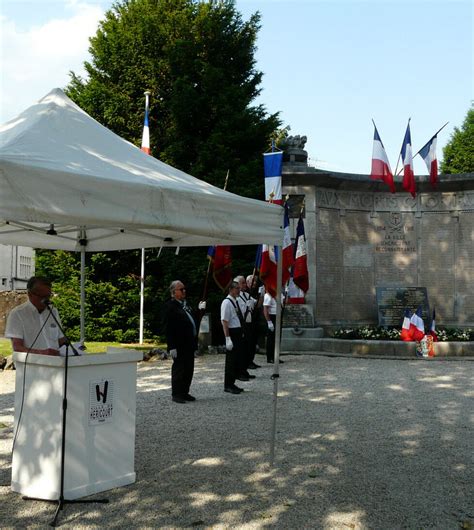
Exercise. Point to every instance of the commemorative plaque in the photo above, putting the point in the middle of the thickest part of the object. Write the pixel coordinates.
(392, 302)
(298, 316)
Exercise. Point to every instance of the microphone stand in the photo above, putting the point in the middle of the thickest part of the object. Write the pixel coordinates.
(62, 501)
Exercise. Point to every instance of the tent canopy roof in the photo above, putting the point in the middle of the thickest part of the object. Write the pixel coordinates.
(59, 166)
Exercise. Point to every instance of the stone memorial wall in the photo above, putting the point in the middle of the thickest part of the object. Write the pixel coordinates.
(360, 238)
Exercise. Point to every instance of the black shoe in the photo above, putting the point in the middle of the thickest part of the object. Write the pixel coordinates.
(250, 376)
(178, 399)
(243, 378)
(231, 390)
(235, 387)
(188, 397)
(253, 366)
(272, 361)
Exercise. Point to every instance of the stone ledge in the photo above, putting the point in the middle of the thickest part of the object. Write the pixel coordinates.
(381, 348)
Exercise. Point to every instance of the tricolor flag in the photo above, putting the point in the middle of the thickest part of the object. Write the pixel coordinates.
(417, 326)
(380, 165)
(405, 334)
(146, 129)
(432, 331)
(273, 163)
(406, 154)
(268, 268)
(288, 252)
(428, 154)
(295, 294)
(221, 258)
(300, 268)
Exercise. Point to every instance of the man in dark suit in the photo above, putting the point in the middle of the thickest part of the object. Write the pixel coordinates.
(182, 339)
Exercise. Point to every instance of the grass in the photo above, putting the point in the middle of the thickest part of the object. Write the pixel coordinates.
(92, 347)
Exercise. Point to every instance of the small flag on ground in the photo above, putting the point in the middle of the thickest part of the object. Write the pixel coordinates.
(221, 258)
(428, 154)
(432, 331)
(405, 334)
(273, 163)
(417, 326)
(408, 183)
(380, 165)
(300, 268)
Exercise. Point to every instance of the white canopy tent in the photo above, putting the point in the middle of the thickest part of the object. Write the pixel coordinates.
(67, 182)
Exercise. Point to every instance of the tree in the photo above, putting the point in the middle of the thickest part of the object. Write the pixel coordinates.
(458, 154)
(197, 59)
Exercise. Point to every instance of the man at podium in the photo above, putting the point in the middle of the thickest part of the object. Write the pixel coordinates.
(31, 326)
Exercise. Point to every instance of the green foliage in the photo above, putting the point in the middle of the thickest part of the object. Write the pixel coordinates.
(197, 59)
(459, 152)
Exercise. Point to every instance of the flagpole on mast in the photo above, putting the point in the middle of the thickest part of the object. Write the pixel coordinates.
(276, 362)
(142, 265)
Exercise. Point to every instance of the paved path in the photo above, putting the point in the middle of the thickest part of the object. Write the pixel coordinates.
(361, 444)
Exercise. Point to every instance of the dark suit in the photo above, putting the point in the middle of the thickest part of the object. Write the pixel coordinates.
(181, 336)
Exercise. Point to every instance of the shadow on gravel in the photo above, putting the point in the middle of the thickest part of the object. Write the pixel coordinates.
(360, 444)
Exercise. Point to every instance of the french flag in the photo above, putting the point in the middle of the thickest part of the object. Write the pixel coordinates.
(428, 154)
(380, 165)
(432, 331)
(417, 326)
(408, 183)
(300, 268)
(287, 248)
(268, 268)
(146, 129)
(405, 334)
(273, 163)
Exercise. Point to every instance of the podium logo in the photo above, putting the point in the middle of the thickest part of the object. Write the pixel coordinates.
(101, 393)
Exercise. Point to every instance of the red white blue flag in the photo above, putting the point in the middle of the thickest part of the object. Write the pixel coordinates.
(428, 154)
(408, 183)
(380, 165)
(300, 268)
(405, 334)
(221, 258)
(417, 326)
(146, 129)
(432, 331)
(273, 163)
(287, 247)
(268, 268)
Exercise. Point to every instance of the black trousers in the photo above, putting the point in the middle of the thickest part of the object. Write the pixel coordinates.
(233, 357)
(271, 340)
(182, 372)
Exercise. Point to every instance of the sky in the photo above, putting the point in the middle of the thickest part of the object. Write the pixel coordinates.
(329, 67)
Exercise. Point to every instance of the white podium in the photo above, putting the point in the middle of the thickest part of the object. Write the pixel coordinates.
(100, 424)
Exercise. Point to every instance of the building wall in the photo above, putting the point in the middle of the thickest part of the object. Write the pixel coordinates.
(361, 238)
(17, 264)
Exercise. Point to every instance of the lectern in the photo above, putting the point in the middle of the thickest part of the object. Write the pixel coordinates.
(100, 423)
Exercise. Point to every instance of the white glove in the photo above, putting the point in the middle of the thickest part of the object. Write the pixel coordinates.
(270, 325)
(228, 344)
(202, 306)
(174, 354)
(261, 290)
(250, 304)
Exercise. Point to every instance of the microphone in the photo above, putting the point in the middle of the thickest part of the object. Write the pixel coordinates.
(46, 301)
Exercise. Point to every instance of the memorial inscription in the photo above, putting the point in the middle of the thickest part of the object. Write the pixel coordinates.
(298, 316)
(392, 302)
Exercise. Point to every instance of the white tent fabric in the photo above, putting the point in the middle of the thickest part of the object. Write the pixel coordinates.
(58, 166)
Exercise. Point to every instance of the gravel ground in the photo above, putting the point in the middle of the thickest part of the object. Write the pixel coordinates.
(361, 443)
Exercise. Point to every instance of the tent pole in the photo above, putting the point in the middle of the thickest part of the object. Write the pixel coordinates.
(83, 293)
(142, 292)
(276, 363)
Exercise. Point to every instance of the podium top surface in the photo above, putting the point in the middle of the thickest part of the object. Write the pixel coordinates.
(122, 356)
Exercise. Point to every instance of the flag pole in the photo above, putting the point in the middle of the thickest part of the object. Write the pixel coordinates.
(206, 281)
(142, 264)
(434, 135)
(276, 363)
(400, 154)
